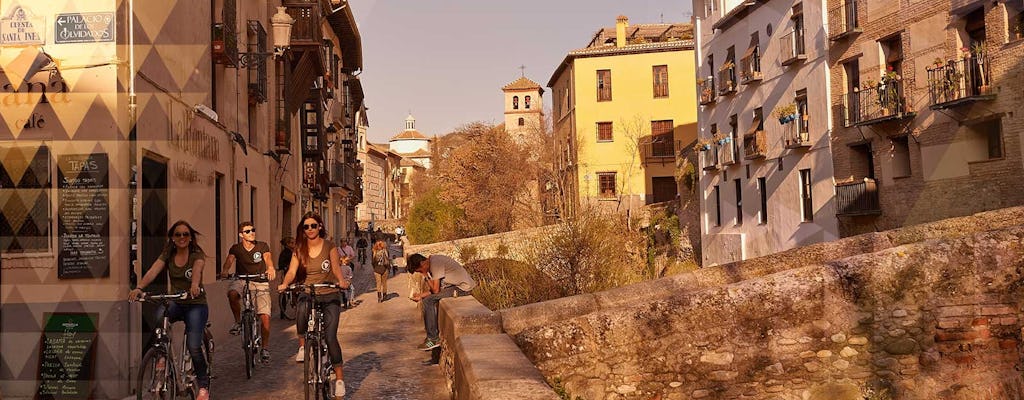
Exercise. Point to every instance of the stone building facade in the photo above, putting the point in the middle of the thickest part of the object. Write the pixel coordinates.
(926, 104)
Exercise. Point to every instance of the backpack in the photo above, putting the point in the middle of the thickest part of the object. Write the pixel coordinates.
(381, 262)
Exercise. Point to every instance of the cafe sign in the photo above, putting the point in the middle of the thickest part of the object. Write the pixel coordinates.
(18, 28)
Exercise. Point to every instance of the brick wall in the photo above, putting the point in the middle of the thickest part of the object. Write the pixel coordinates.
(927, 30)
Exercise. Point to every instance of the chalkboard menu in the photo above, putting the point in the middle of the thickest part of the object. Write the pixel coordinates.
(67, 356)
(83, 216)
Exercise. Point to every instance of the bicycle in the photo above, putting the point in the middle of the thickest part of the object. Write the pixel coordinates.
(287, 301)
(156, 380)
(252, 329)
(317, 367)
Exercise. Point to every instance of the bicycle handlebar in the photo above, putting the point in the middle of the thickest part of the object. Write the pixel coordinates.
(154, 297)
(252, 277)
(303, 286)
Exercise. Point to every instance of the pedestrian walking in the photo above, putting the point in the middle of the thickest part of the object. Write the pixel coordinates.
(184, 261)
(287, 244)
(361, 245)
(321, 262)
(252, 258)
(381, 266)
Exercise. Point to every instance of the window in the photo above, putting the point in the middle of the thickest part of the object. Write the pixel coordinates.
(758, 119)
(606, 183)
(862, 161)
(1014, 20)
(515, 102)
(717, 202)
(526, 102)
(990, 136)
(751, 62)
(900, 157)
(604, 131)
(851, 70)
(806, 206)
(604, 85)
(803, 120)
(522, 121)
(662, 143)
(253, 124)
(660, 81)
(762, 189)
(739, 201)
(25, 199)
(892, 50)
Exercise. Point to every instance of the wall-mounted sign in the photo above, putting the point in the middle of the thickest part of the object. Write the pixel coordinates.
(84, 216)
(84, 28)
(19, 28)
(67, 355)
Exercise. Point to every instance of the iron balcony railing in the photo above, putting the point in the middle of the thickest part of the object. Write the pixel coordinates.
(258, 73)
(792, 45)
(706, 89)
(843, 20)
(959, 80)
(755, 145)
(727, 80)
(709, 156)
(727, 151)
(881, 102)
(796, 134)
(343, 175)
(751, 67)
(857, 198)
(660, 151)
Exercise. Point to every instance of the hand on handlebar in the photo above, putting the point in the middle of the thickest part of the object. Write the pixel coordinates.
(135, 294)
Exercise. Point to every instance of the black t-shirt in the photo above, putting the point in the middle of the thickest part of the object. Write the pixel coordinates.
(284, 259)
(250, 262)
(361, 243)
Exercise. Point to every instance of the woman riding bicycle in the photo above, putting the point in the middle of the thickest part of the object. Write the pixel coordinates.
(321, 262)
(184, 260)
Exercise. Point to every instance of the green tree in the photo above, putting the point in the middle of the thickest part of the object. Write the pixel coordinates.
(433, 219)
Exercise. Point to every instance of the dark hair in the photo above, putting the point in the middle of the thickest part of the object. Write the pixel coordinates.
(193, 245)
(413, 262)
(245, 224)
(301, 243)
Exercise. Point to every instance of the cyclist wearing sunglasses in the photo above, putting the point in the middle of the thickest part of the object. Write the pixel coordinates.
(184, 260)
(320, 261)
(252, 258)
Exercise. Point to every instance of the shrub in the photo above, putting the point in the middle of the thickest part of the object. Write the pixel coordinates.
(467, 254)
(503, 283)
(432, 219)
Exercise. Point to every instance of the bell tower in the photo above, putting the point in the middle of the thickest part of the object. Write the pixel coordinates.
(524, 107)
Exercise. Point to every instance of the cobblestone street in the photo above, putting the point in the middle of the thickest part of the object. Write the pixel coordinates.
(378, 341)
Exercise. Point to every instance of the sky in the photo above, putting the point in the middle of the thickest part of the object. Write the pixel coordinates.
(446, 60)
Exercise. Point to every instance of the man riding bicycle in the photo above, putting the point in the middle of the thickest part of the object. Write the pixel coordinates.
(252, 257)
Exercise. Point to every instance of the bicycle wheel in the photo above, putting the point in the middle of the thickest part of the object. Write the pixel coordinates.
(326, 371)
(208, 348)
(156, 378)
(247, 343)
(311, 369)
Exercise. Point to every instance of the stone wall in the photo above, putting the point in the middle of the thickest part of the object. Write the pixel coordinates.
(510, 245)
(939, 319)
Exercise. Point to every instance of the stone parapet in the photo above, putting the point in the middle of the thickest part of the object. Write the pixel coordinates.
(479, 360)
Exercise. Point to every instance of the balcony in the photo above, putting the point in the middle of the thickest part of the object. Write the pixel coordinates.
(727, 80)
(792, 45)
(755, 145)
(709, 157)
(306, 29)
(857, 198)
(796, 135)
(727, 151)
(750, 67)
(736, 13)
(343, 175)
(843, 21)
(959, 82)
(706, 88)
(224, 45)
(663, 152)
(883, 102)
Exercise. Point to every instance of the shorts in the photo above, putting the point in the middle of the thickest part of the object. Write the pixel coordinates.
(260, 290)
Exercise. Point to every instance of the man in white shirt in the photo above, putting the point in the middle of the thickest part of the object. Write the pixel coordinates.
(445, 278)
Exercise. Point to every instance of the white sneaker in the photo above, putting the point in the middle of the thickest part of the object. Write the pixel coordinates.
(339, 389)
(300, 356)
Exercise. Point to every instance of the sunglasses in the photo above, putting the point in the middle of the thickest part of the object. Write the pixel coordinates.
(182, 234)
(311, 226)
(248, 231)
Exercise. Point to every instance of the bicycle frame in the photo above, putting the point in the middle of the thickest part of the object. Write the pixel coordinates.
(316, 339)
(181, 373)
(252, 327)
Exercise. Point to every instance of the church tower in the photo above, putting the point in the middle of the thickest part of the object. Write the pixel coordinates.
(524, 108)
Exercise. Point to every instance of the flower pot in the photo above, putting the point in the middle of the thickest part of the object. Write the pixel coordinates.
(787, 119)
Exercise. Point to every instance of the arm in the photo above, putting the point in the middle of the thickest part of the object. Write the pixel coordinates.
(432, 286)
(336, 260)
(269, 259)
(154, 271)
(229, 266)
(197, 276)
(289, 276)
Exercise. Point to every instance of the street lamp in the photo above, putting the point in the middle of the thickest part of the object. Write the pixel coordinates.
(282, 26)
(332, 136)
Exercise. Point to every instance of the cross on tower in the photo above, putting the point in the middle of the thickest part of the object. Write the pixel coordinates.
(522, 71)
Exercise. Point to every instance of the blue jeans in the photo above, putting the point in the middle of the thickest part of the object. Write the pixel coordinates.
(430, 304)
(195, 317)
(332, 313)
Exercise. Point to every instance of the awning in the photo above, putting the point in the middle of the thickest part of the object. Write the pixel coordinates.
(754, 124)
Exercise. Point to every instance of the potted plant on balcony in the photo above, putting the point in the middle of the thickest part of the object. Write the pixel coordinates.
(888, 93)
(703, 144)
(980, 52)
(786, 113)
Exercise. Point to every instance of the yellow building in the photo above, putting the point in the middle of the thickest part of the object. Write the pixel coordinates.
(622, 109)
